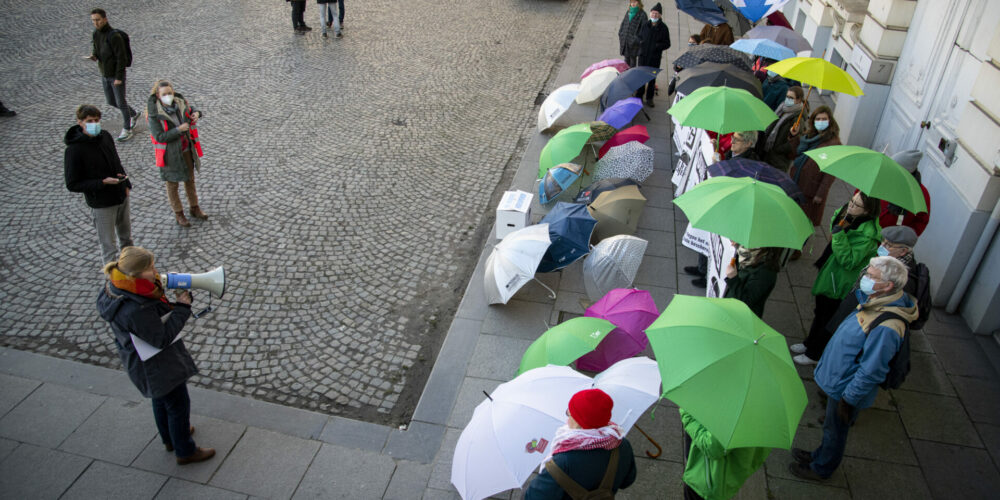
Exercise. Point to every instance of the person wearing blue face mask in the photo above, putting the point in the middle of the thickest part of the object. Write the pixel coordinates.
(654, 38)
(775, 146)
(821, 131)
(91, 166)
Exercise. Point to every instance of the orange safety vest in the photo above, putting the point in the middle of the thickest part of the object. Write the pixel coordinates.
(160, 148)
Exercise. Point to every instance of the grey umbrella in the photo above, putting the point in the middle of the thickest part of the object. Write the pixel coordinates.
(632, 160)
(613, 263)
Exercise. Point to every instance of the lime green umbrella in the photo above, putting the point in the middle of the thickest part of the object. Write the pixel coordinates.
(752, 213)
(723, 110)
(729, 370)
(564, 343)
(563, 147)
(874, 173)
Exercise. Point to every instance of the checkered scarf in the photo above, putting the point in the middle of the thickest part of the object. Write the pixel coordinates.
(601, 438)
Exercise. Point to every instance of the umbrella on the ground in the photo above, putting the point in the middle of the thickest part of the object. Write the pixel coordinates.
(723, 110)
(556, 104)
(784, 36)
(703, 10)
(513, 262)
(631, 311)
(632, 160)
(600, 131)
(818, 73)
(570, 229)
(510, 432)
(612, 264)
(762, 47)
(874, 173)
(563, 343)
(617, 211)
(563, 147)
(618, 64)
(557, 180)
(729, 370)
(710, 74)
(753, 10)
(627, 83)
(633, 133)
(622, 112)
(753, 214)
(742, 167)
(591, 192)
(594, 85)
(713, 53)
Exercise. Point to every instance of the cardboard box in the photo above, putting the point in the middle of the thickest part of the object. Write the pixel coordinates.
(513, 213)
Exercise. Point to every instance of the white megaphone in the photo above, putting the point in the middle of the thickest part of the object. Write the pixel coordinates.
(213, 281)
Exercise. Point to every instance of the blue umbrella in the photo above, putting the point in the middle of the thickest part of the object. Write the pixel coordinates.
(703, 10)
(557, 179)
(622, 112)
(570, 227)
(627, 83)
(753, 10)
(764, 48)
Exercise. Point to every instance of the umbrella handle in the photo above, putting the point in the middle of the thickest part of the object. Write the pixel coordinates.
(805, 102)
(659, 449)
(552, 295)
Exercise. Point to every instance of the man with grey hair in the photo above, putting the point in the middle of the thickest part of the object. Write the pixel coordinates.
(856, 361)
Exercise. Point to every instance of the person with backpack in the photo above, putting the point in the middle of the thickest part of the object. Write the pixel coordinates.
(863, 353)
(589, 456)
(113, 53)
(712, 472)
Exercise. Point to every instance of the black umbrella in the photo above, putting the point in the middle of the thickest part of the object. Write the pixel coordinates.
(712, 53)
(591, 192)
(710, 74)
(627, 83)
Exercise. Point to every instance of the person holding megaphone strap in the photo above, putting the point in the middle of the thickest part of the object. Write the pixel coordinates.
(147, 330)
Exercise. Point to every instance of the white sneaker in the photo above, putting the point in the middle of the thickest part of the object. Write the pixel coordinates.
(798, 348)
(125, 135)
(803, 360)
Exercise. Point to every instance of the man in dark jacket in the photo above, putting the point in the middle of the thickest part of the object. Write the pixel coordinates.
(92, 167)
(654, 38)
(112, 57)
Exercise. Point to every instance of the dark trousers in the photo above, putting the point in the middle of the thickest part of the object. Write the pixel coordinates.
(115, 95)
(827, 457)
(172, 412)
(650, 89)
(703, 265)
(341, 3)
(818, 335)
(298, 11)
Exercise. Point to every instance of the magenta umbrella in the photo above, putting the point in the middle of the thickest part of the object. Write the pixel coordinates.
(621, 112)
(618, 64)
(633, 133)
(631, 311)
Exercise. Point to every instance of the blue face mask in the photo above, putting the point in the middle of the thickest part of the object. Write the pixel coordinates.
(92, 128)
(789, 102)
(867, 285)
(821, 125)
(771, 74)
(654, 19)
(882, 251)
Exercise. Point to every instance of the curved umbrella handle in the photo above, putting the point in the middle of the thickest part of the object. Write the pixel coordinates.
(552, 295)
(659, 449)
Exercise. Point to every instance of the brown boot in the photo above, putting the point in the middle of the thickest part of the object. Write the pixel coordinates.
(181, 220)
(197, 213)
(199, 455)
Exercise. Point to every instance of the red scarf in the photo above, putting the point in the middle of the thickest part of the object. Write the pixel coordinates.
(138, 286)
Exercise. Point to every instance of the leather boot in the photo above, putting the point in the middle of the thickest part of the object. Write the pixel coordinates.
(181, 220)
(199, 455)
(197, 213)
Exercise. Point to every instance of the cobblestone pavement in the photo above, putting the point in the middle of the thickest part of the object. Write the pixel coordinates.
(346, 181)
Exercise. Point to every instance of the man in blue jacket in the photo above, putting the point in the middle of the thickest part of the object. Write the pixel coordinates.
(856, 361)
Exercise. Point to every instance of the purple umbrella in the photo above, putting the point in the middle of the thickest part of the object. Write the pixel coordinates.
(618, 64)
(631, 311)
(622, 112)
(742, 167)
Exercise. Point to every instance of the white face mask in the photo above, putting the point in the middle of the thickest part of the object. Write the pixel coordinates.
(167, 100)
(789, 102)
(654, 19)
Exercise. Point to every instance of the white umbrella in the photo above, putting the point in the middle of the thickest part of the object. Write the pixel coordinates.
(613, 263)
(510, 433)
(632, 160)
(594, 85)
(513, 262)
(556, 104)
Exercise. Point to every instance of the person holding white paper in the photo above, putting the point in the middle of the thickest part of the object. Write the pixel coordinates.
(147, 330)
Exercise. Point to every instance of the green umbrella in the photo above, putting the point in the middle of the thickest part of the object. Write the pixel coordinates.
(723, 110)
(729, 370)
(563, 147)
(874, 173)
(752, 213)
(565, 342)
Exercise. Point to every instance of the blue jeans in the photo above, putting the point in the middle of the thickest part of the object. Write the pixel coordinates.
(172, 412)
(827, 457)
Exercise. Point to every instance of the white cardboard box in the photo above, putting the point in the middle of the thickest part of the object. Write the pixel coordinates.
(513, 213)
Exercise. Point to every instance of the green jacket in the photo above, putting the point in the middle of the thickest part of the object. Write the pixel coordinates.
(850, 251)
(163, 128)
(752, 285)
(711, 471)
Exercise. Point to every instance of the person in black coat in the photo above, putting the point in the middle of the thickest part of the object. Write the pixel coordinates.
(91, 166)
(628, 32)
(146, 325)
(654, 38)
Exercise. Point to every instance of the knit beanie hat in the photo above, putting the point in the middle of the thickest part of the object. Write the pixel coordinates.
(591, 408)
(657, 8)
(908, 159)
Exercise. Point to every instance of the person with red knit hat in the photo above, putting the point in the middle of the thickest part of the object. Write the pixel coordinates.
(589, 453)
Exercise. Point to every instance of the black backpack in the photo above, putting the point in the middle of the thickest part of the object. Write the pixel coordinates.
(899, 365)
(128, 45)
(922, 294)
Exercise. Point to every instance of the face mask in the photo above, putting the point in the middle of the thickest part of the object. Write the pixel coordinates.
(867, 285)
(691, 44)
(654, 19)
(882, 251)
(92, 128)
(167, 100)
(771, 74)
(821, 125)
(789, 102)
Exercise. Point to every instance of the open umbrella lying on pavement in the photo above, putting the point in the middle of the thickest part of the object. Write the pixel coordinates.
(556, 104)
(591, 192)
(710, 74)
(873, 173)
(513, 262)
(712, 53)
(570, 229)
(621, 112)
(594, 85)
(723, 110)
(563, 343)
(631, 311)
(782, 35)
(633, 133)
(617, 211)
(618, 64)
(751, 213)
(613, 263)
(632, 160)
(563, 147)
(627, 83)
(763, 47)
(742, 167)
(510, 432)
(728, 370)
(557, 180)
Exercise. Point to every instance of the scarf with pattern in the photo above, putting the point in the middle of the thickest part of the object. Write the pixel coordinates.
(138, 286)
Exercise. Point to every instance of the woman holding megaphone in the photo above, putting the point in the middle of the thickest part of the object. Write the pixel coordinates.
(147, 330)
